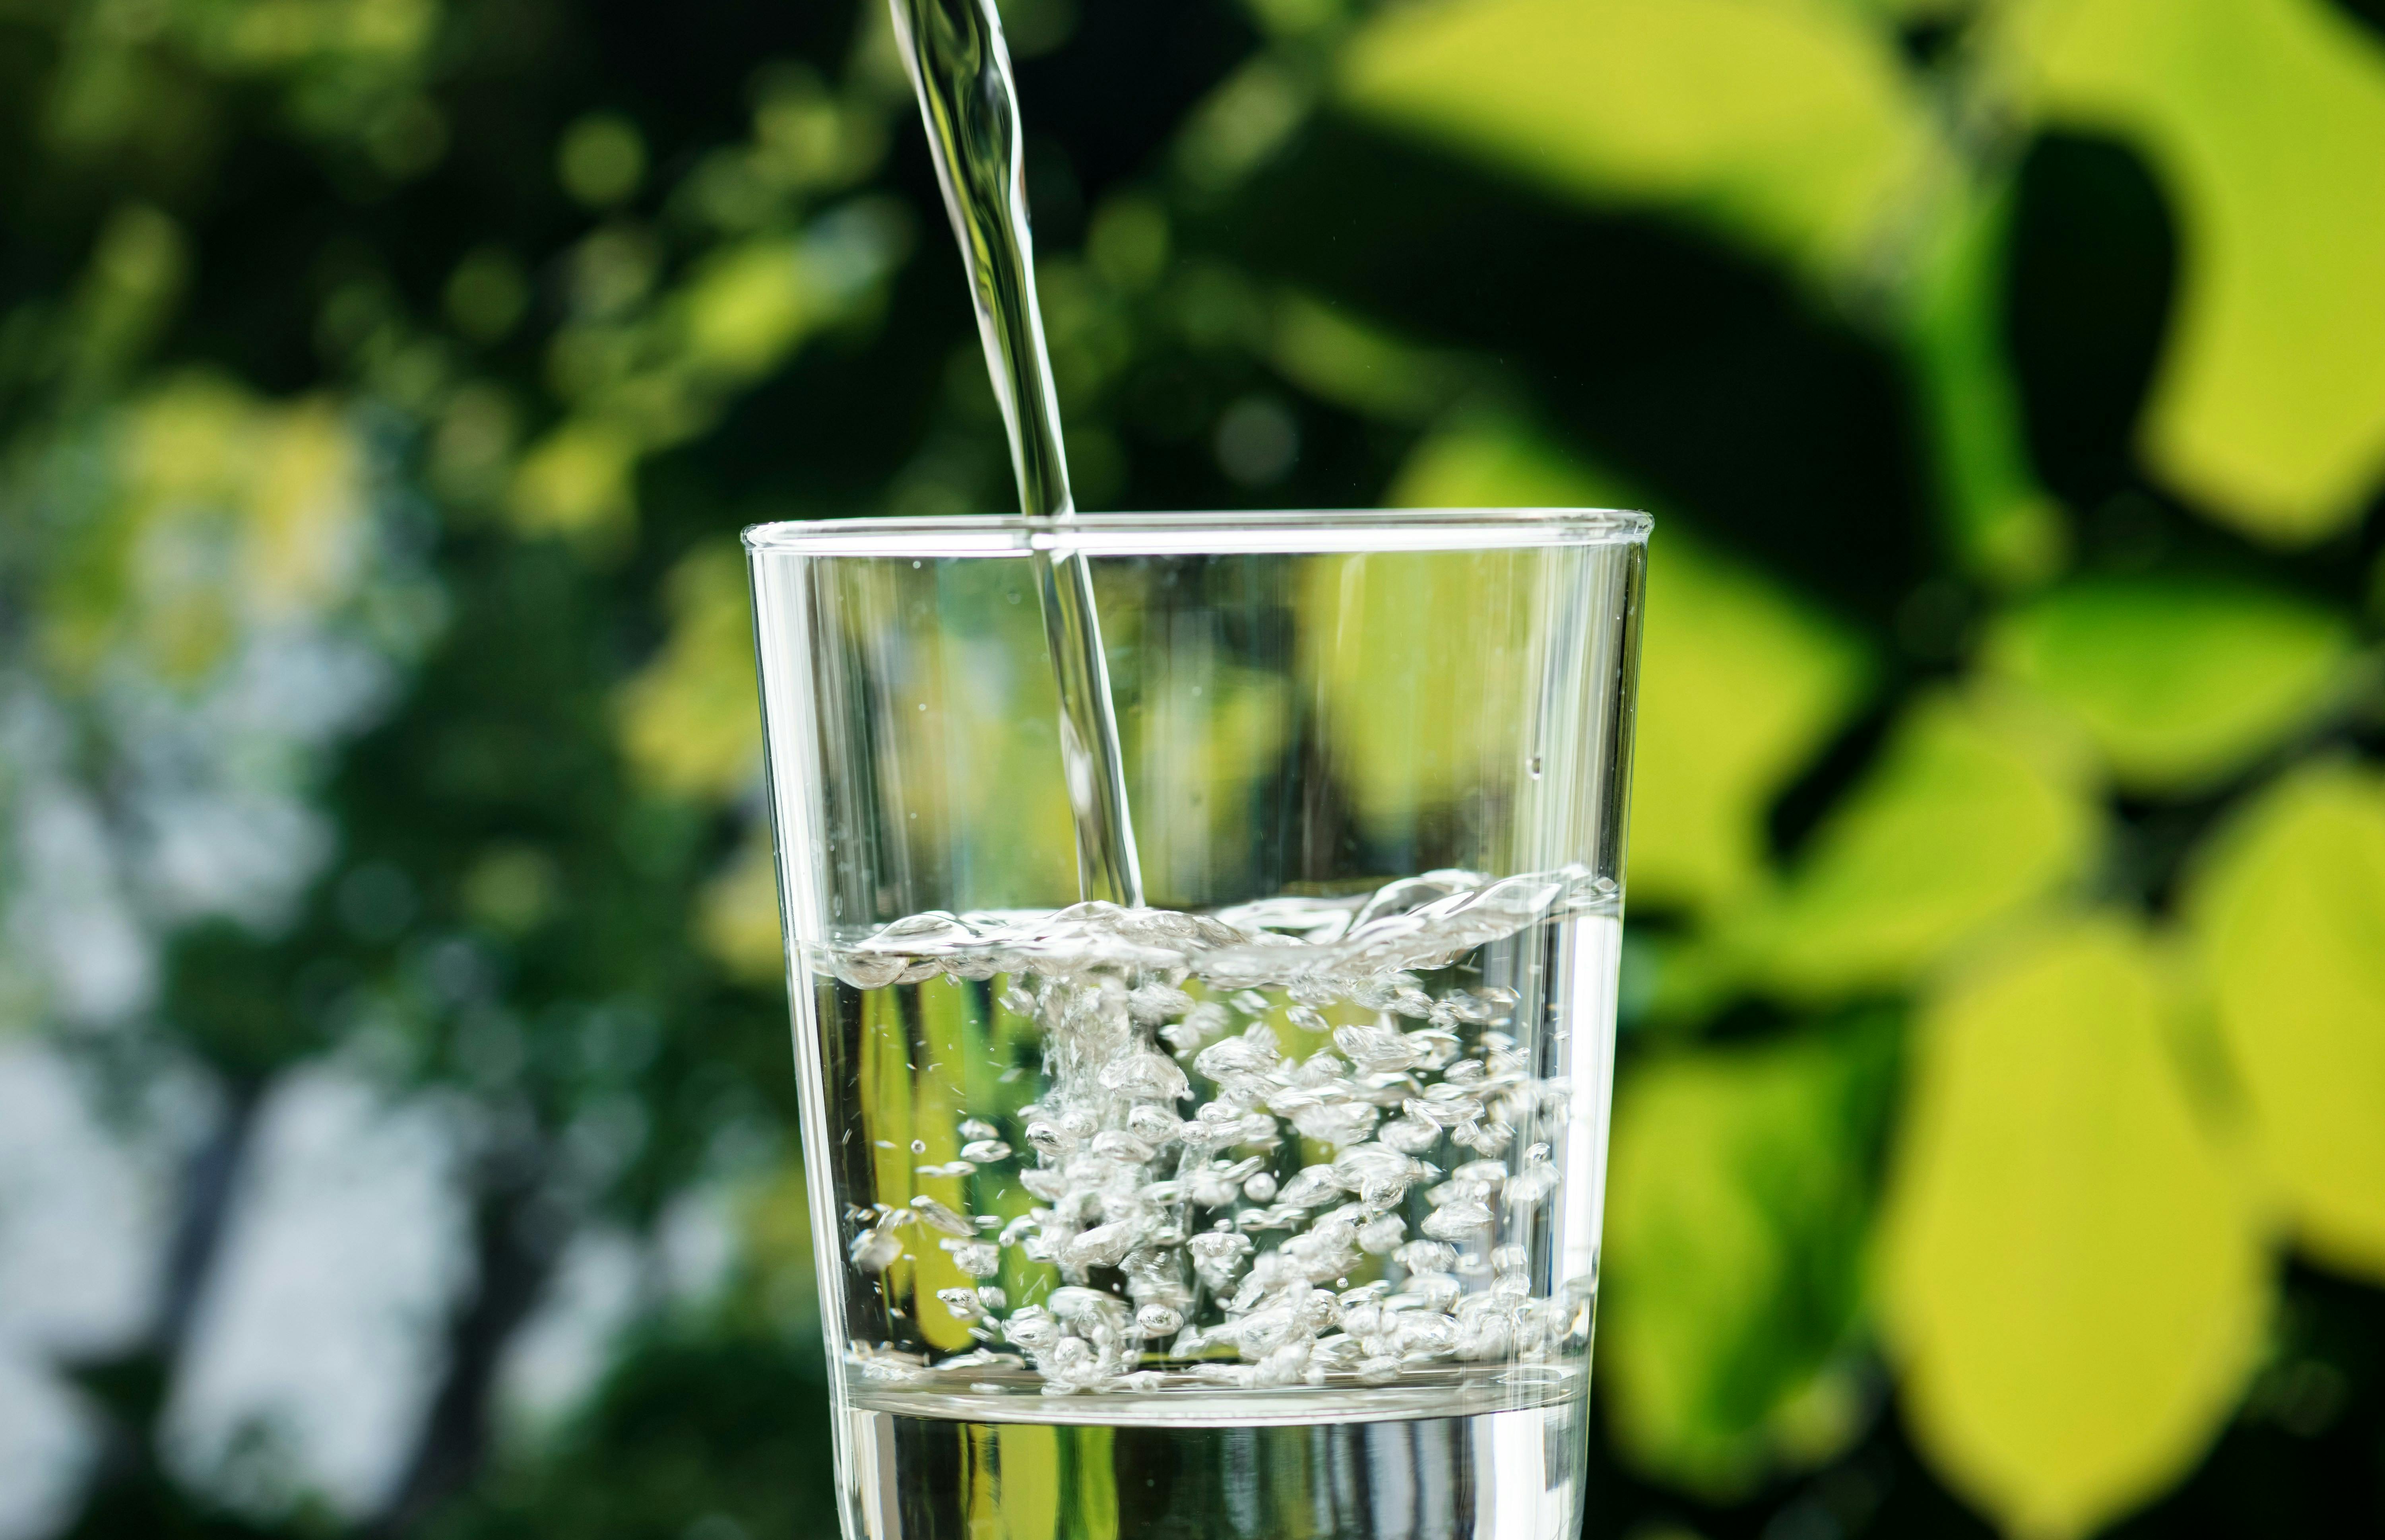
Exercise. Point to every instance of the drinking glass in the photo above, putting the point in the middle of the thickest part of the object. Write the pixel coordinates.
(1271, 1209)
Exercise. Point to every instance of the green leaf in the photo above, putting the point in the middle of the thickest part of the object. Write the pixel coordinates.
(1404, 607)
(1792, 127)
(748, 305)
(1198, 734)
(1491, 462)
(2289, 912)
(1349, 360)
(2262, 118)
(2073, 1280)
(2179, 684)
(737, 915)
(578, 481)
(1972, 816)
(2004, 525)
(1447, 626)
(1738, 1199)
(1740, 684)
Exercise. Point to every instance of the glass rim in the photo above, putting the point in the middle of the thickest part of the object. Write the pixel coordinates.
(1291, 532)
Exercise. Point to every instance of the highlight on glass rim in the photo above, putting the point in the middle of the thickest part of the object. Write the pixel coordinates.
(871, 768)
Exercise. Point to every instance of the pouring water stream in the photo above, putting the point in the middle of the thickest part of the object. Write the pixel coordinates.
(960, 68)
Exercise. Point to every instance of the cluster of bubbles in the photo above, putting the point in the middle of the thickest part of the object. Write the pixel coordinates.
(1184, 1260)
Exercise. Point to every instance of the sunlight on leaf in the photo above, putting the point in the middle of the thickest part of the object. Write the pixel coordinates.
(224, 513)
(2005, 524)
(1740, 684)
(1792, 126)
(1973, 814)
(2178, 684)
(644, 371)
(1015, 1470)
(2074, 1282)
(577, 481)
(776, 1231)
(1443, 625)
(1488, 462)
(1349, 360)
(1738, 1199)
(305, 472)
(737, 919)
(747, 308)
(139, 267)
(512, 888)
(883, 1074)
(1250, 116)
(2262, 118)
(947, 1025)
(1196, 739)
(970, 764)
(689, 722)
(2289, 915)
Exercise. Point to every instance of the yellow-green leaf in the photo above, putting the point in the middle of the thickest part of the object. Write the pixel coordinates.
(1792, 126)
(1973, 815)
(1736, 1202)
(689, 722)
(221, 511)
(2262, 118)
(947, 1024)
(579, 482)
(1345, 358)
(780, 1274)
(737, 916)
(1251, 115)
(2073, 1280)
(1488, 462)
(2177, 683)
(748, 307)
(1449, 627)
(1740, 684)
(1197, 735)
(2005, 526)
(2290, 916)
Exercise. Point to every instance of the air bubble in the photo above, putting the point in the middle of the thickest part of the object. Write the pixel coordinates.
(1155, 1036)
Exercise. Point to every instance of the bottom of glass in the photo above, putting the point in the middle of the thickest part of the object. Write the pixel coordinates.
(1339, 1466)
(1450, 1390)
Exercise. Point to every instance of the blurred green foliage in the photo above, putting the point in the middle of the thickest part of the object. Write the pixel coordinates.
(1744, 1181)
(2072, 1269)
(1999, 1136)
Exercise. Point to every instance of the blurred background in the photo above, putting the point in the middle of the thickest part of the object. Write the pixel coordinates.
(395, 1110)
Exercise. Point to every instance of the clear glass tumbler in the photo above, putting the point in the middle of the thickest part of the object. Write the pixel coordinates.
(1271, 1209)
